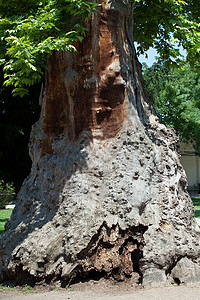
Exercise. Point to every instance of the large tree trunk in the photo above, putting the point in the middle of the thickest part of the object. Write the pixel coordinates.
(106, 194)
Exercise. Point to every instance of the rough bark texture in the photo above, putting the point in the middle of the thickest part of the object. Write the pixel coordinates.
(106, 194)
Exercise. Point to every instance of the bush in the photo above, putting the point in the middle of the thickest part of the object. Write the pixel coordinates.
(7, 192)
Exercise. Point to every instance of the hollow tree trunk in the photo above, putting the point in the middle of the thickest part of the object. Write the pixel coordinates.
(106, 194)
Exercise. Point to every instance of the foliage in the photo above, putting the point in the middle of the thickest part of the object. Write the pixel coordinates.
(31, 30)
(175, 94)
(6, 193)
(166, 25)
(4, 217)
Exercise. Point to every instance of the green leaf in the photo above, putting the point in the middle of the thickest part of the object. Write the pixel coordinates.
(30, 35)
(20, 92)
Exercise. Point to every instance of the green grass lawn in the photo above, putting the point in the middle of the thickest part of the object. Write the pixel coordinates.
(196, 202)
(4, 217)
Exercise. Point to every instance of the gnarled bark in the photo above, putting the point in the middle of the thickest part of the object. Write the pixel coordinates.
(106, 193)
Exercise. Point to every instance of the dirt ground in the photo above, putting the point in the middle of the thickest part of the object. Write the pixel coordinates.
(103, 291)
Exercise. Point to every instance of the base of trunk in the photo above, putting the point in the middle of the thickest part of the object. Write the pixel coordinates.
(114, 215)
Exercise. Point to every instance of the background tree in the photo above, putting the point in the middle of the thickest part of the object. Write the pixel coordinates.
(167, 25)
(175, 94)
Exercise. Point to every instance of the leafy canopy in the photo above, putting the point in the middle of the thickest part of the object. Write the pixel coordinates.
(175, 94)
(7, 192)
(31, 29)
(166, 25)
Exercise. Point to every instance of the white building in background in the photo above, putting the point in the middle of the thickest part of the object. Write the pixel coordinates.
(190, 161)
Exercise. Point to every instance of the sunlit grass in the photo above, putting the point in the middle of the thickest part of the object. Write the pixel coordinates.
(196, 202)
(4, 217)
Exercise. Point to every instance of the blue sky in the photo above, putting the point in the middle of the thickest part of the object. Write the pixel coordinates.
(151, 57)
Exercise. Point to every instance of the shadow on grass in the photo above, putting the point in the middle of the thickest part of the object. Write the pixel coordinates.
(196, 201)
(4, 220)
(197, 213)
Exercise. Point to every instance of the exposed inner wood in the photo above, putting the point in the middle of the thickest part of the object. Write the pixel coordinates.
(87, 91)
